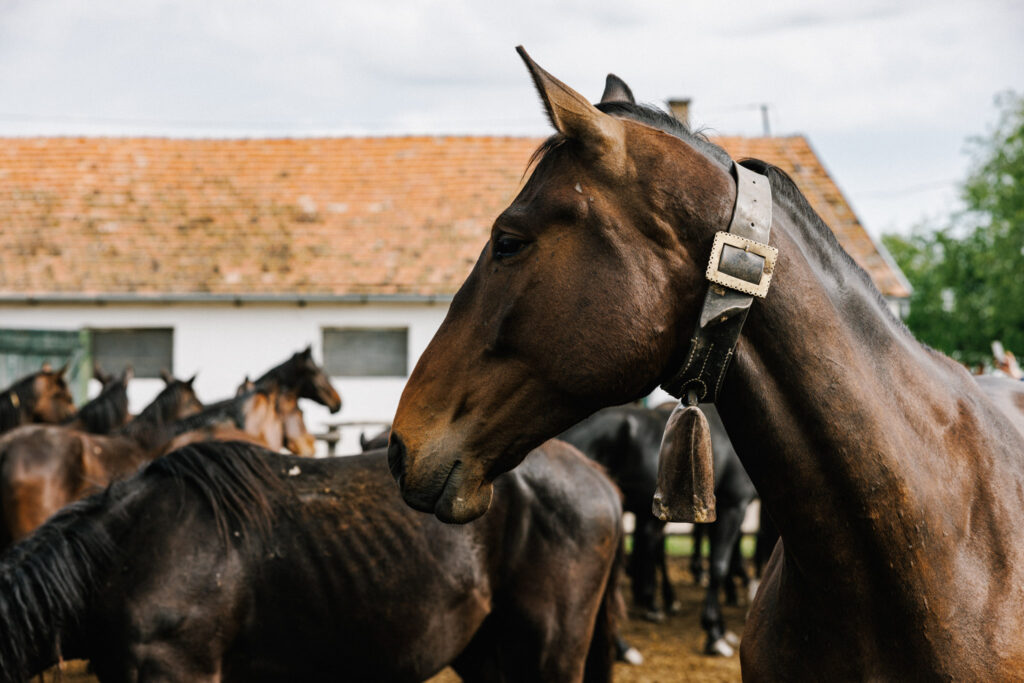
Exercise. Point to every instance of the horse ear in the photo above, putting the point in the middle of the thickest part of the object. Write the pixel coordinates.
(191, 379)
(129, 372)
(46, 367)
(308, 351)
(572, 115)
(64, 368)
(166, 376)
(616, 90)
(101, 376)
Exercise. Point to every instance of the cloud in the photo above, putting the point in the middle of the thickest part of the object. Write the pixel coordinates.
(835, 72)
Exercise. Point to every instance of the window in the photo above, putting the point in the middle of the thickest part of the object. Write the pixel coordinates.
(366, 352)
(23, 352)
(147, 350)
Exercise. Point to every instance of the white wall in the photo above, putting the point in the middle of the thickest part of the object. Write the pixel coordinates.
(225, 342)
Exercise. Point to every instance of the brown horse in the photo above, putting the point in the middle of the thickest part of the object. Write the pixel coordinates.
(225, 562)
(897, 485)
(42, 397)
(45, 467)
(270, 418)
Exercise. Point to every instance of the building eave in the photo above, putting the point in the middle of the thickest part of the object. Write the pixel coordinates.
(76, 299)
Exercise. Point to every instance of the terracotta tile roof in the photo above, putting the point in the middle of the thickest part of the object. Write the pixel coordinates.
(290, 217)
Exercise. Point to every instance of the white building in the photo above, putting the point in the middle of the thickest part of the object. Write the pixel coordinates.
(222, 257)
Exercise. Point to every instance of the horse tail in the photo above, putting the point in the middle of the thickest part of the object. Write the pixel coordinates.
(604, 643)
(46, 585)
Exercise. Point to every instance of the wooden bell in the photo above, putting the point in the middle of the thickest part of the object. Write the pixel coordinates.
(686, 469)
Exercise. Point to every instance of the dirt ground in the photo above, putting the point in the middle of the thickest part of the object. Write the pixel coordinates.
(671, 649)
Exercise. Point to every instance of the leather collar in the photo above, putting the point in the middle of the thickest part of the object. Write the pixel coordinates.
(740, 268)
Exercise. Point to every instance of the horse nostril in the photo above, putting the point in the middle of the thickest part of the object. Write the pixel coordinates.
(396, 457)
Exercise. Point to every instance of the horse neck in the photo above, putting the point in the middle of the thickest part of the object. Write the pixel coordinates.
(104, 413)
(262, 419)
(827, 401)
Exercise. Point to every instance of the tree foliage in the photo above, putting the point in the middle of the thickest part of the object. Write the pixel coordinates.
(968, 276)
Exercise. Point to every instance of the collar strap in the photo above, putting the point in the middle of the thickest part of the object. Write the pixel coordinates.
(740, 268)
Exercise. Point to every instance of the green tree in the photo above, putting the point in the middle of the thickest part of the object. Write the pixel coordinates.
(968, 276)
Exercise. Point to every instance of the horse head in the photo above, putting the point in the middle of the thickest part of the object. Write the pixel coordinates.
(53, 402)
(316, 385)
(184, 397)
(591, 278)
(301, 373)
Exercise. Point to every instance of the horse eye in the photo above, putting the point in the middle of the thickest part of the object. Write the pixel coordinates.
(507, 245)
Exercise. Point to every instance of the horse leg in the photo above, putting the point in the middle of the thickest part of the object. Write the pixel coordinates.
(648, 533)
(722, 535)
(737, 571)
(700, 531)
(668, 592)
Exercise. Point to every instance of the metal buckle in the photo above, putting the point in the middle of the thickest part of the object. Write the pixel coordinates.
(767, 253)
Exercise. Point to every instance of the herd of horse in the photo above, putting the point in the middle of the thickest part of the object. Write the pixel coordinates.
(193, 552)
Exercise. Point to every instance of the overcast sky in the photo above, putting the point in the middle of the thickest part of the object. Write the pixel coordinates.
(886, 91)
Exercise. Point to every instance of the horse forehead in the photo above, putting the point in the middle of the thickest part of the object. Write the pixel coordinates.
(550, 198)
(46, 384)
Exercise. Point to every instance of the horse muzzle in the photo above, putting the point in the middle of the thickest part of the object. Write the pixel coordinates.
(443, 486)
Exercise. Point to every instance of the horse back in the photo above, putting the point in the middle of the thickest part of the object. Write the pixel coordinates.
(344, 571)
(1008, 396)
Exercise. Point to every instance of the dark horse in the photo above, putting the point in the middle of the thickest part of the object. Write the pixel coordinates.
(226, 562)
(301, 376)
(40, 397)
(626, 440)
(106, 412)
(896, 483)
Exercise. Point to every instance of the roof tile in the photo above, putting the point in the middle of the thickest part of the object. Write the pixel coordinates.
(311, 216)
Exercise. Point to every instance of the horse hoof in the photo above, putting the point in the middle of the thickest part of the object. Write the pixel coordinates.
(732, 638)
(632, 657)
(719, 648)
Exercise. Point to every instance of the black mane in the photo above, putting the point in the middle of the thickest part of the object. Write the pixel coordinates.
(786, 189)
(51, 576)
(658, 118)
(237, 480)
(283, 375)
(42, 583)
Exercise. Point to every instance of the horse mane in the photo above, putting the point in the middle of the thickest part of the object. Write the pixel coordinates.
(232, 409)
(107, 411)
(282, 374)
(14, 399)
(236, 479)
(786, 189)
(156, 417)
(47, 579)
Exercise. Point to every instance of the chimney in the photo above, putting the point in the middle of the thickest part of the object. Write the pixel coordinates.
(680, 108)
